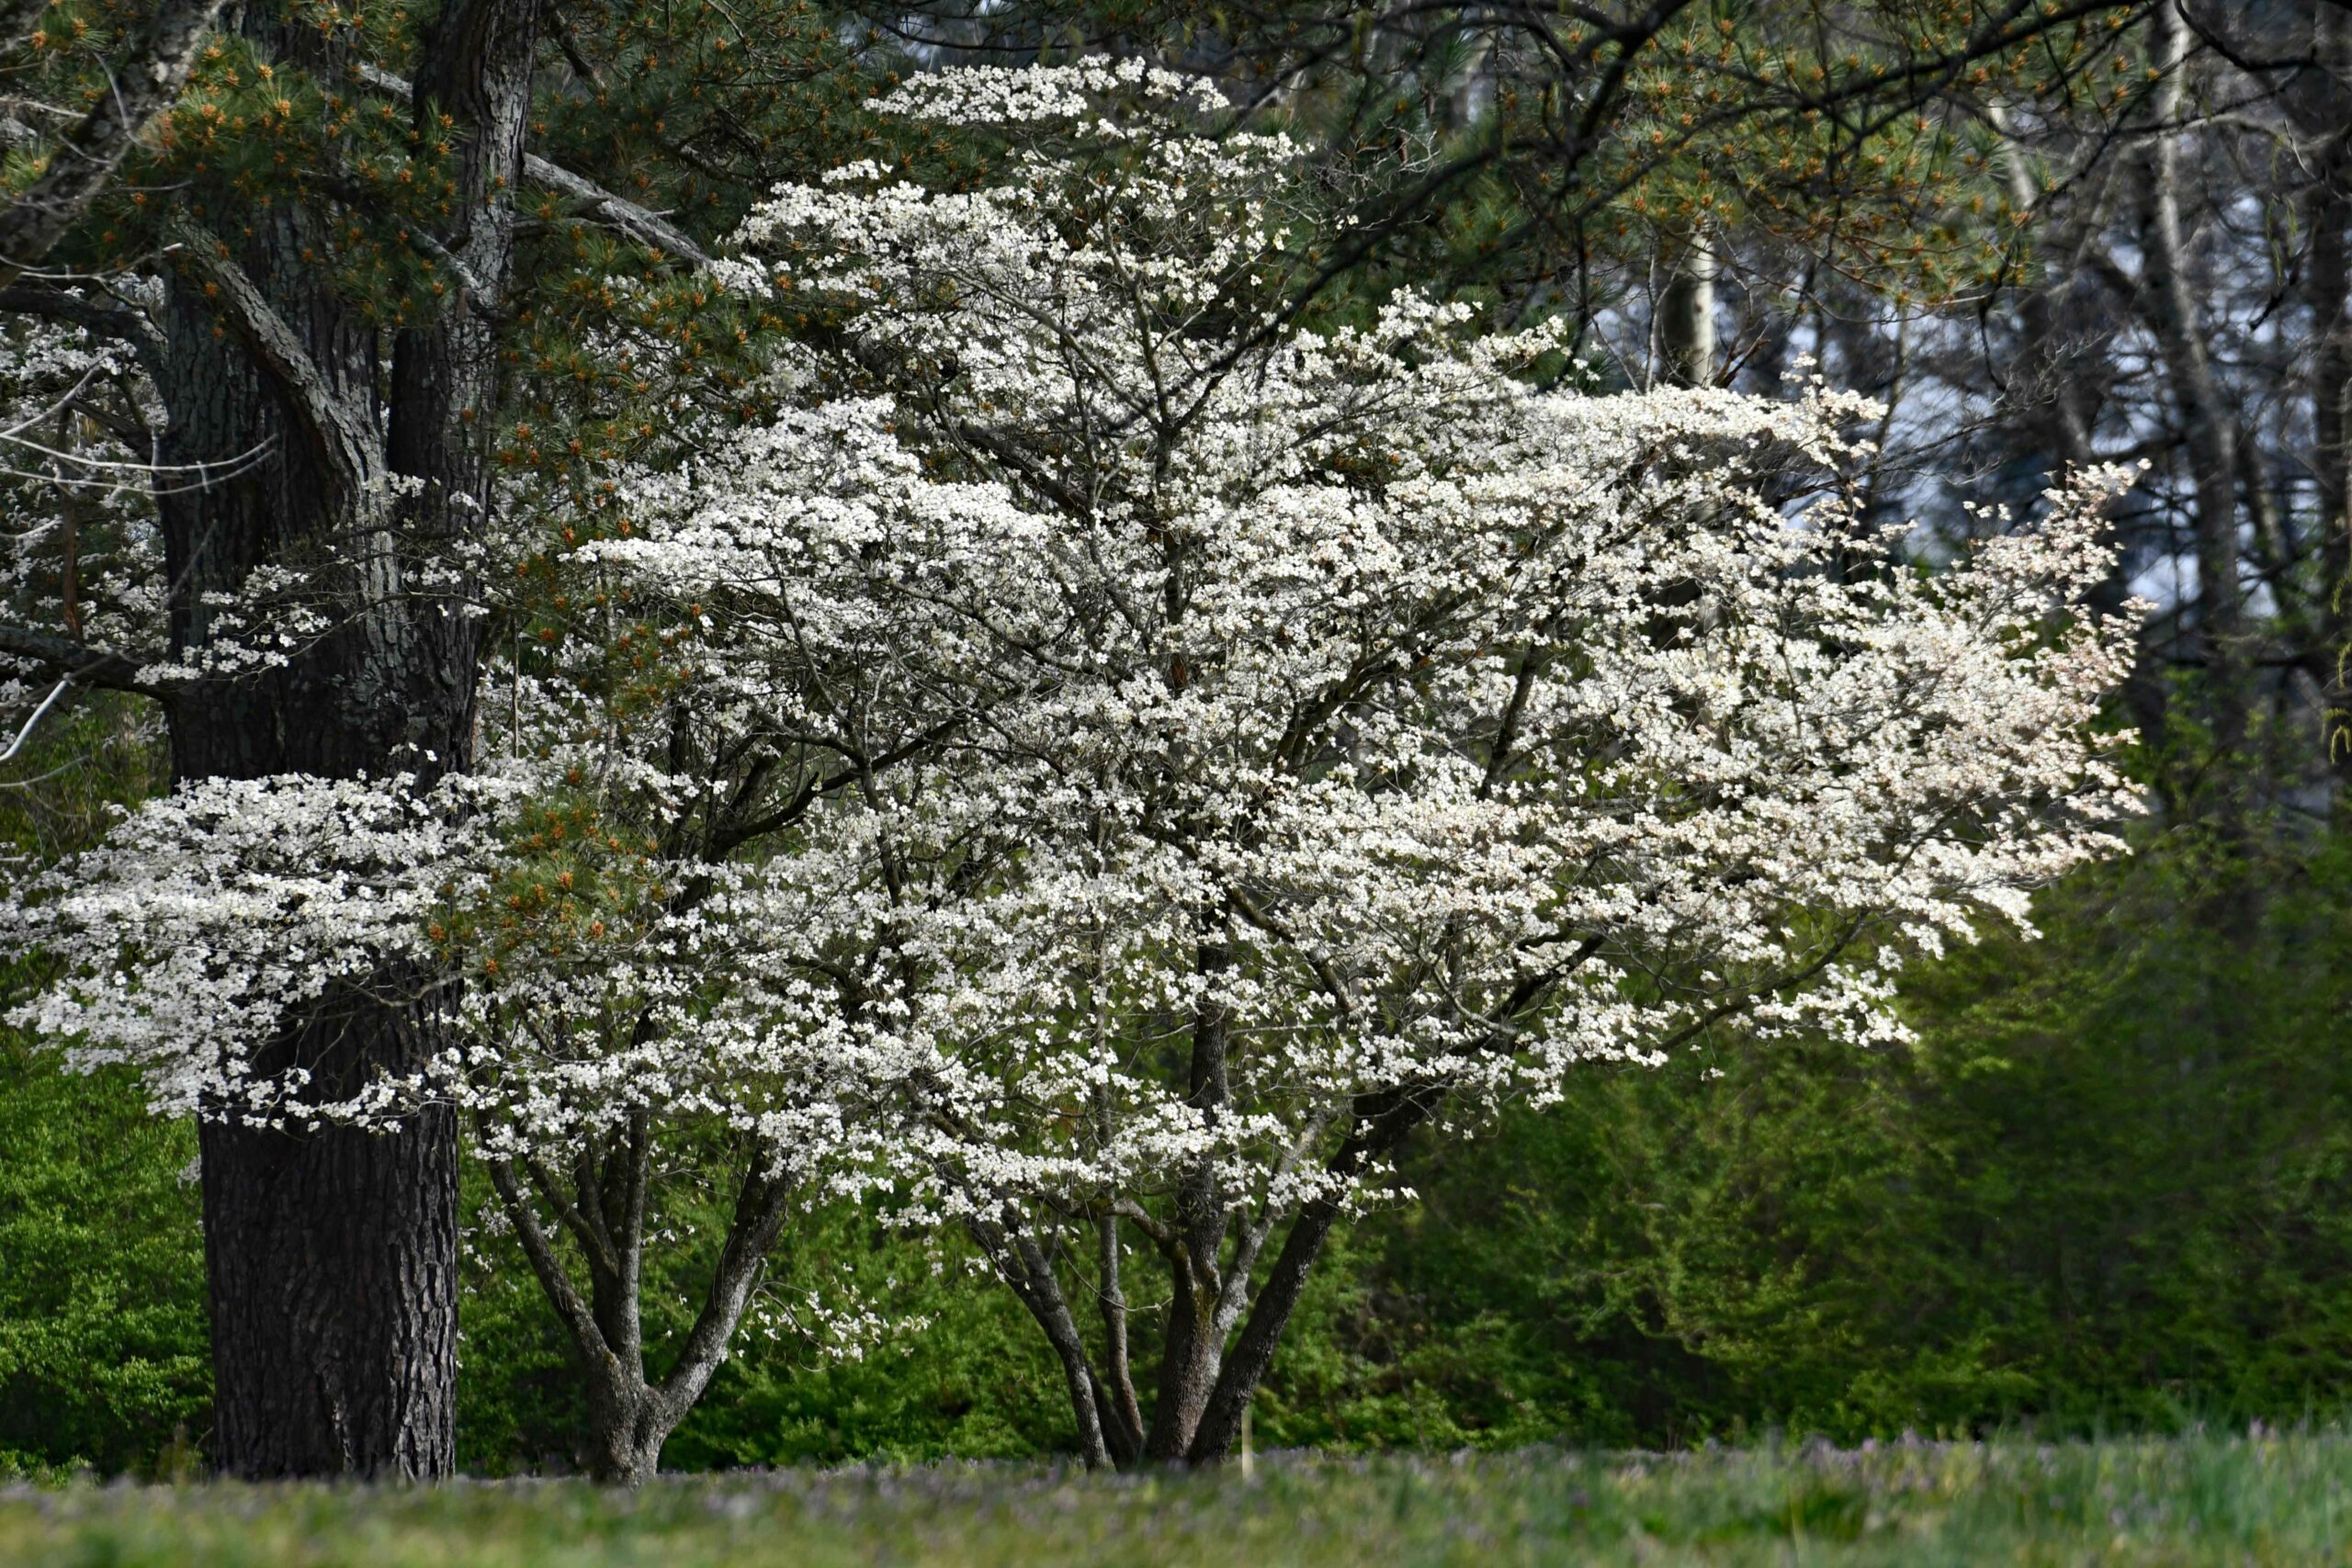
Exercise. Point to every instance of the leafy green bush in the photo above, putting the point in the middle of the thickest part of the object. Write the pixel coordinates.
(103, 1355)
(2109, 1186)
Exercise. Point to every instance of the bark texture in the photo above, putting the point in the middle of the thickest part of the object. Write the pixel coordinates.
(1686, 317)
(332, 1260)
(331, 1254)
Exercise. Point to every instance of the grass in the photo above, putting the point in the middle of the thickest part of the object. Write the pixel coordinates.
(2252, 1499)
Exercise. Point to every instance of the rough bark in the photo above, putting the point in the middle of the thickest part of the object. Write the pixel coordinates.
(331, 1259)
(330, 1253)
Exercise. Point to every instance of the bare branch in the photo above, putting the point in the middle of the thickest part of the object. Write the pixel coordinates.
(646, 227)
(25, 733)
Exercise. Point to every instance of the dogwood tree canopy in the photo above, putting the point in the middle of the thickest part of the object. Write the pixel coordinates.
(1310, 734)
(1109, 760)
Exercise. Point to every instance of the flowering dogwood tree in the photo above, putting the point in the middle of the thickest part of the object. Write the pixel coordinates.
(1110, 764)
(1299, 738)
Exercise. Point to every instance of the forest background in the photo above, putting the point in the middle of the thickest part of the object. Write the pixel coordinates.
(2106, 1189)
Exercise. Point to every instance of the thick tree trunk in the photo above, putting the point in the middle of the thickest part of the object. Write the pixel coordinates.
(332, 1257)
(331, 1254)
(626, 1430)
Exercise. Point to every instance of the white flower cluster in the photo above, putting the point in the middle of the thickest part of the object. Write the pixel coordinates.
(1337, 714)
(82, 556)
(1104, 738)
(209, 922)
(77, 539)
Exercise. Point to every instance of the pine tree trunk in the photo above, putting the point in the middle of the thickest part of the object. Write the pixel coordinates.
(330, 1253)
(332, 1257)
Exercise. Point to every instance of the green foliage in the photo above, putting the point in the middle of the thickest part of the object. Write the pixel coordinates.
(963, 1374)
(2107, 1187)
(103, 1355)
(2255, 1499)
(968, 1378)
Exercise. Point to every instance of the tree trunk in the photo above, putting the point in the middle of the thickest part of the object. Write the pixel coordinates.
(1383, 1123)
(1193, 1347)
(2327, 291)
(629, 1415)
(627, 1428)
(2170, 300)
(1219, 1426)
(331, 1259)
(331, 1254)
(1686, 317)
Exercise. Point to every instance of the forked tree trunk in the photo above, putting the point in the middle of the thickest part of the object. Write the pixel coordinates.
(630, 1415)
(1203, 1388)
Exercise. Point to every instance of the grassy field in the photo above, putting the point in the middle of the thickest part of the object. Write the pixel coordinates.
(2212, 1499)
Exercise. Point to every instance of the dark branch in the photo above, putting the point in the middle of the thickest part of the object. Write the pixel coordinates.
(647, 227)
(88, 666)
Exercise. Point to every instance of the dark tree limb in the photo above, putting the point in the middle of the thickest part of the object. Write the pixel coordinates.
(118, 321)
(647, 228)
(88, 666)
(539, 1250)
(338, 435)
(146, 80)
